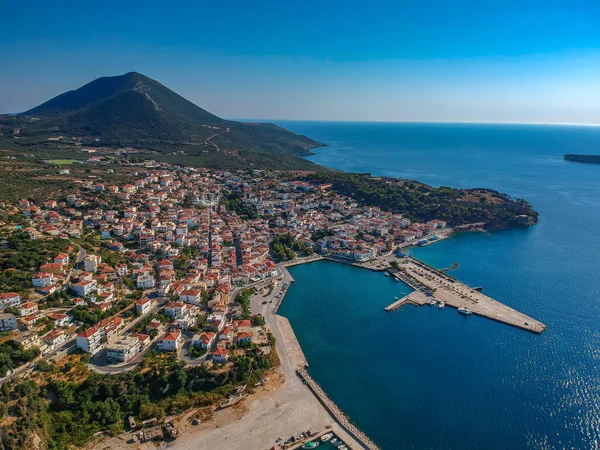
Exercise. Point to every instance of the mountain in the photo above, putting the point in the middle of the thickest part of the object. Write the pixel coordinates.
(134, 110)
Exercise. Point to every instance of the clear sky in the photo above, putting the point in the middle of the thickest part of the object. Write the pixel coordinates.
(454, 60)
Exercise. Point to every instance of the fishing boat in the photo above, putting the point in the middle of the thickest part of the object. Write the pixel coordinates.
(326, 437)
(465, 311)
(441, 305)
(312, 444)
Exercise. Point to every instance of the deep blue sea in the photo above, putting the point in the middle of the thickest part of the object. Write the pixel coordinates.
(427, 378)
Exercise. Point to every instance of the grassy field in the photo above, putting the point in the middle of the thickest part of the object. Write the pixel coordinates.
(64, 161)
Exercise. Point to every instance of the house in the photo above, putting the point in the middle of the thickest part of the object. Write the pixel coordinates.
(154, 325)
(27, 309)
(28, 340)
(143, 306)
(145, 281)
(55, 339)
(242, 325)
(243, 336)
(177, 309)
(203, 340)
(220, 355)
(144, 339)
(59, 319)
(171, 342)
(123, 349)
(27, 322)
(193, 296)
(55, 268)
(42, 279)
(9, 299)
(62, 258)
(226, 334)
(8, 322)
(122, 270)
(85, 288)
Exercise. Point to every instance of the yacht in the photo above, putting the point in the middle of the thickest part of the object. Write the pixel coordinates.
(326, 437)
(465, 311)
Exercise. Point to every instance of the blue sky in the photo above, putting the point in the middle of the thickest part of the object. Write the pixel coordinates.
(466, 61)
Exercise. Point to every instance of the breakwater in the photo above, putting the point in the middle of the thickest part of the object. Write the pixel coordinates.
(335, 411)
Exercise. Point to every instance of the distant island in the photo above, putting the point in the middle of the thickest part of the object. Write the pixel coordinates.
(589, 159)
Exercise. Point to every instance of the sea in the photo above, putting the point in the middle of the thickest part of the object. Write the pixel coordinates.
(429, 378)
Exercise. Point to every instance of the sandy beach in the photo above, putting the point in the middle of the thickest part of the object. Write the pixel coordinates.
(282, 408)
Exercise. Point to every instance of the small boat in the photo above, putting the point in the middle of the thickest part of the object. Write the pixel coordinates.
(343, 447)
(338, 444)
(326, 437)
(387, 274)
(431, 302)
(441, 305)
(334, 441)
(312, 444)
(465, 311)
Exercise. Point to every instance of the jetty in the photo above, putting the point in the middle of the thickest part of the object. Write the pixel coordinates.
(430, 283)
(416, 298)
(336, 412)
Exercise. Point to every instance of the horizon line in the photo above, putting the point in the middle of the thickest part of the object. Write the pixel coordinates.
(425, 122)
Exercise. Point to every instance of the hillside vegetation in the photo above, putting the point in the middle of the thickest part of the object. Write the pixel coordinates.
(134, 110)
(421, 202)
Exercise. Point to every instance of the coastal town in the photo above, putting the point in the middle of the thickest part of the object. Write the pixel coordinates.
(180, 261)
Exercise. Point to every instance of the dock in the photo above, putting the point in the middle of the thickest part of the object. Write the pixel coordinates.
(430, 283)
(416, 298)
(336, 412)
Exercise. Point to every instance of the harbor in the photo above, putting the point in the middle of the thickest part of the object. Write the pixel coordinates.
(436, 287)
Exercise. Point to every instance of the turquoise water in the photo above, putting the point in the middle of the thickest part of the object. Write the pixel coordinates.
(429, 378)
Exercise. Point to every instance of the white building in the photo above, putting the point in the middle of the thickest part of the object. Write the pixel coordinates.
(8, 322)
(27, 309)
(171, 342)
(42, 279)
(90, 263)
(193, 296)
(145, 281)
(177, 309)
(123, 349)
(9, 299)
(90, 340)
(85, 288)
(143, 306)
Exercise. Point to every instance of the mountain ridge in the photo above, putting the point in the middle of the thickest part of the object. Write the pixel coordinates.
(135, 110)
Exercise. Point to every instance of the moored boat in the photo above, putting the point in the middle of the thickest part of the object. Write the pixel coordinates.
(441, 305)
(465, 311)
(326, 437)
(309, 445)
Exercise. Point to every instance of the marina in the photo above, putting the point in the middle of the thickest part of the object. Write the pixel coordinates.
(431, 286)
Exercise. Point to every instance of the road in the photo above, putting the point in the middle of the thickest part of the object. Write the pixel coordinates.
(208, 142)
